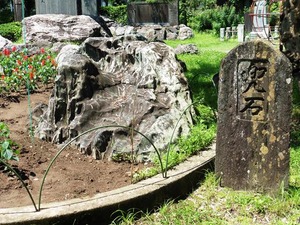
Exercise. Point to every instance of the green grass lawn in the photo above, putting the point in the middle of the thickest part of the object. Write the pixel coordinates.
(211, 204)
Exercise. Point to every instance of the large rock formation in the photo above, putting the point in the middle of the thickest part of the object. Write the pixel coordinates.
(61, 28)
(47, 29)
(117, 81)
(290, 32)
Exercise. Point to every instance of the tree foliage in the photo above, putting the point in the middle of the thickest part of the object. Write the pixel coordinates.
(6, 15)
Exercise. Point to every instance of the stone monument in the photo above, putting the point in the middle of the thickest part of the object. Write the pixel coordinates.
(254, 109)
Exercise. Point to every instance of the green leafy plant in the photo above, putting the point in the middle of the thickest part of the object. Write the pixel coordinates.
(9, 150)
(18, 70)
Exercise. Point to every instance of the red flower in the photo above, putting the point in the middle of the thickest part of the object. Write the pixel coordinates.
(3, 76)
(15, 70)
(30, 66)
(49, 57)
(42, 50)
(25, 57)
(31, 75)
(13, 48)
(19, 62)
(6, 51)
(43, 62)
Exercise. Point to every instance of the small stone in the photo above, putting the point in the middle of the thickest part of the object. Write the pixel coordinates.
(186, 49)
(10, 178)
(128, 174)
(32, 174)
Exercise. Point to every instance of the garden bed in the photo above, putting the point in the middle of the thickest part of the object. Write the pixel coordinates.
(73, 175)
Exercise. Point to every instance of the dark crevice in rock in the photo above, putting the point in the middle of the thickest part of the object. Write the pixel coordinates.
(72, 110)
(101, 142)
(60, 111)
(95, 53)
(116, 44)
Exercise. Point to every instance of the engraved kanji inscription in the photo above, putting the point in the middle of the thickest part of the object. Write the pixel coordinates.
(255, 109)
(252, 83)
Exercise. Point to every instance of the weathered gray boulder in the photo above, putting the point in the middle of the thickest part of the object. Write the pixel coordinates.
(172, 33)
(122, 30)
(4, 42)
(117, 81)
(154, 32)
(185, 32)
(60, 28)
(186, 49)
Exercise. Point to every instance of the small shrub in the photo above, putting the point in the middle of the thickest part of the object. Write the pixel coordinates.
(11, 31)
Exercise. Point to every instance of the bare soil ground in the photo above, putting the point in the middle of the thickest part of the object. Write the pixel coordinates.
(73, 174)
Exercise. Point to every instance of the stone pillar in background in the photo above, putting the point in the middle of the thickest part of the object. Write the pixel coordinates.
(290, 34)
(173, 13)
(227, 33)
(276, 32)
(233, 30)
(18, 10)
(240, 32)
(90, 8)
(254, 109)
(222, 34)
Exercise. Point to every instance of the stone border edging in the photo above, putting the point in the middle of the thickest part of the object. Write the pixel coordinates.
(98, 209)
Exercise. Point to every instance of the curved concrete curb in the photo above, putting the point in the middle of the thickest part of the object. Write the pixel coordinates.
(99, 208)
